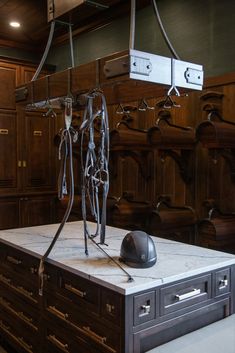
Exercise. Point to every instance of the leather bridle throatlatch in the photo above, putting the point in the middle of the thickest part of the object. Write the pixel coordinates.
(94, 165)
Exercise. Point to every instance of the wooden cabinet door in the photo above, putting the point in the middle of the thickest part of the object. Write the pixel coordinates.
(9, 213)
(8, 81)
(37, 210)
(39, 152)
(9, 165)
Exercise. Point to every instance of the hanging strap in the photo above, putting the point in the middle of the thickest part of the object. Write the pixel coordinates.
(66, 151)
(163, 31)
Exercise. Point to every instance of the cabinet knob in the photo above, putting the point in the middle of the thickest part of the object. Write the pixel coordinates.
(19, 164)
(24, 164)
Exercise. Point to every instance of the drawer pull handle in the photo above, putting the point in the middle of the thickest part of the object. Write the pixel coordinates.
(33, 270)
(24, 317)
(57, 312)
(4, 302)
(188, 295)
(146, 309)
(75, 290)
(57, 343)
(223, 283)
(24, 344)
(14, 261)
(24, 291)
(110, 308)
(5, 279)
(4, 327)
(94, 335)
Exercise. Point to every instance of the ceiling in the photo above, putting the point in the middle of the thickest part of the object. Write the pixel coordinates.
(32, 14)
(34, 30)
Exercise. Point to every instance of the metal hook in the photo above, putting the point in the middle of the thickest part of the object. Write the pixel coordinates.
(50, 111)
(173, 91)
(169, 103)
(120, 109)
(143, 106)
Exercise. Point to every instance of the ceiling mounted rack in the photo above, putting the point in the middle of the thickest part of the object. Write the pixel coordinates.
(119, 76)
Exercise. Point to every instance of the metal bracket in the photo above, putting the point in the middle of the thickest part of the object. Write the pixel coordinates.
(139, 65)
(194, 76)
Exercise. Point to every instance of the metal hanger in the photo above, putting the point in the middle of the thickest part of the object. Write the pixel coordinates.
(143, 106)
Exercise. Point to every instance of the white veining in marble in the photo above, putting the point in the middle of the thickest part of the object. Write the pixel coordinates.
(175, 260)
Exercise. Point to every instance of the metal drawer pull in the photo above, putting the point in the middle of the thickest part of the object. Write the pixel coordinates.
(24, 344)
(57, 312)
(5, 279)
(4, 327)
(24, 291)
(57, 343)
(24, 317)
(75, 290)
(94, 335)
(110, 308)
(223, 283)
(33, 270)
(4, 302)
(146, 309)
(14, 260)
(191, 294)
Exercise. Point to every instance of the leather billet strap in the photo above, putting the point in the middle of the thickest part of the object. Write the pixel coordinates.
(68, 135)
(94, 165)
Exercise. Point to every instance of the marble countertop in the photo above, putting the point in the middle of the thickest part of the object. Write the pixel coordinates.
(176, 261)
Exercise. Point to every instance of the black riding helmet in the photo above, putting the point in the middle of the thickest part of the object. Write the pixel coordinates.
(138, 250)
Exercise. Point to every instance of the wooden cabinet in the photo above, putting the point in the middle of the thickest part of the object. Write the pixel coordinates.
(9, 151)
(9, 213)
(26, 210)
(77, 312)
(28, 155)
(38, 154)
(9, 78)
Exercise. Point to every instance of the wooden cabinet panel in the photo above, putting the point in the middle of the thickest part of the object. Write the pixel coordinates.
(8, 148)
(39, 151)
(8, 79)
(27, 73)
(37, 210)
(27, 162)
(9, 213)
(26, 211)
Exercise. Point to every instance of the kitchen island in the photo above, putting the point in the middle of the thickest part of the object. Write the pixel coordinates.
(89, 306)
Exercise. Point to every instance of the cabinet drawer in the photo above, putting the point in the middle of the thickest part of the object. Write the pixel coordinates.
(19, 336)
(80, 291)
(92, 338)
(58, 341)
(17, 286)
(21, 263)
(87, 327)
(222, 282)
(144, 307)
(185, 294)
(100, 337)
(24, 314)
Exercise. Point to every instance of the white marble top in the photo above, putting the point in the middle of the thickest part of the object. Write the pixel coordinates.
(176, 260)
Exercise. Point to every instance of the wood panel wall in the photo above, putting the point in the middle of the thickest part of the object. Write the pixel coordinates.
(212, 183)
